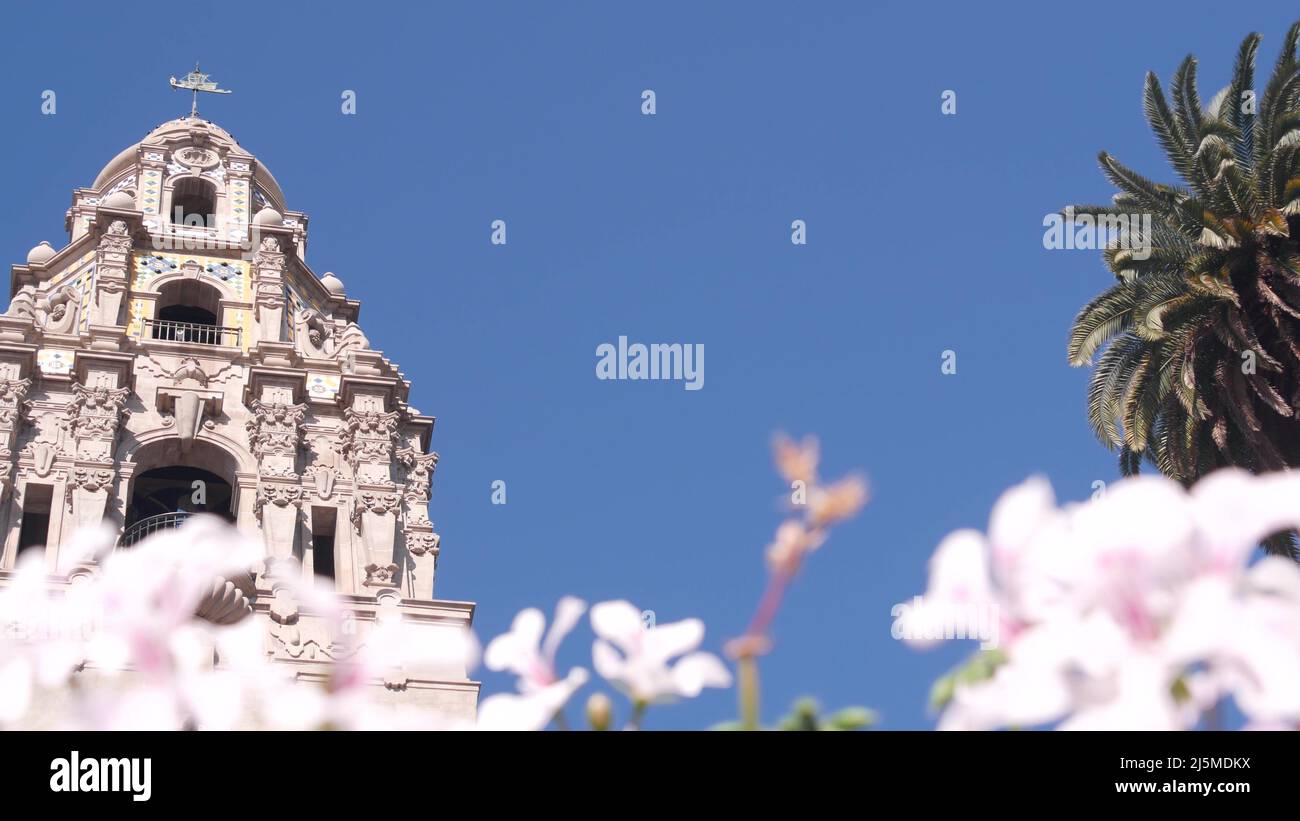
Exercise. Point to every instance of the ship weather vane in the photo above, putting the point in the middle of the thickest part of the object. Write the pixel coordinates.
(195, 82)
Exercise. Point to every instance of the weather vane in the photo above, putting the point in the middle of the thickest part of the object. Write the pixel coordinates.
(196, 82)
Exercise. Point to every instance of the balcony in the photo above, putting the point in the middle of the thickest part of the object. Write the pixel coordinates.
(147, 527)
(173, 331)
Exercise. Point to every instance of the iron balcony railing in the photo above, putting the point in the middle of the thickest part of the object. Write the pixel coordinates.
(153, 524)
(173, 331)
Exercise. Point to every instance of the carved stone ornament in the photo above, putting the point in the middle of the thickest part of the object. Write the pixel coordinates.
(92, 419)
(421, 542)
(369, 436)
(277, 494)
(274, 429)
(59, 309)
(22, 304)
(315, 335)
(116, 240)
(12, 394)
(373, 502)
(190, 369)
(381, 574)
(196, 158)
(90, 480)
(419, 473)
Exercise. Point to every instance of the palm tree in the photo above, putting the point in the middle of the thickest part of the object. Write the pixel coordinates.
(1201, 367)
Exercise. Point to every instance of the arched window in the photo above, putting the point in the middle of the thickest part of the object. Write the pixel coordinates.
(194, 202)
(188, 311)
(163, 498)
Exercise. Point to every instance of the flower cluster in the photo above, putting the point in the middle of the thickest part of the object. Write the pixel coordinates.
(633, 657)
(820, 505)
(160, 637)
(1139, 609)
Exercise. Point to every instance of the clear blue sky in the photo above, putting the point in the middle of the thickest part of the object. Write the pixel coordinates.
(924, 234)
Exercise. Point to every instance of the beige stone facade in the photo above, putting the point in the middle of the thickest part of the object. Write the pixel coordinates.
(179, 352)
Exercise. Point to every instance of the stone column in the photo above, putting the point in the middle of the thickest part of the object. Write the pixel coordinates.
(13, 393)
(92, 420)
(276, 506)
(112, 274)
(374, 515)
(422, 544)
(87, 492)
(268, 288)
(275, 427)
(370, 434)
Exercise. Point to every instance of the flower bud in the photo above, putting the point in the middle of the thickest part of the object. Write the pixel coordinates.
(600, 711)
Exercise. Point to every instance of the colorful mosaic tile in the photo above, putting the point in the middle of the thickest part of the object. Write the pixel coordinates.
(125, 182)
(234, 275)
(150, 198)
(322, 385)
(224, 271)
(55, 362)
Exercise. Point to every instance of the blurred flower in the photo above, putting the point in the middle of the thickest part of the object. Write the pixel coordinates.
(828, 505)
(796, 461)
(639, 667)
(792, 543)
(1136, 610)
(600, 712)
(532, 710)
(524, 652)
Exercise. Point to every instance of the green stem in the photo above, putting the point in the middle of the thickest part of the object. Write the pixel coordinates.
(747, 673)
(638, 715)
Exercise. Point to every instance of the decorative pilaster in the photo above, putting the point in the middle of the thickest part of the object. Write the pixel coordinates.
(13, 393)
(275, 427)
(276, 507)
(112, 267)
(374, 515)
(421, 542)
(423, 545)
(268, 286)
(369, 439)
(92, 420)
(88, 489)
(102, 383)
(274, 436)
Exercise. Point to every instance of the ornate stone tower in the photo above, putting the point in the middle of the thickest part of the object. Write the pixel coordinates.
(177, 355)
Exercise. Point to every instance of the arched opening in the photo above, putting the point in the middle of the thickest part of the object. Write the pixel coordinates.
(194, 203)
(165, 497)
(172, 486)
(187, 312)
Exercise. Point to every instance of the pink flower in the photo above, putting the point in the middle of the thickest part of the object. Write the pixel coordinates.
(524, 652)
(635, 658)
(1109, 608)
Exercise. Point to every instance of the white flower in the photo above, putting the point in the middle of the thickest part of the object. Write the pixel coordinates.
(641, 670)
(524, 652)
(1136, 610)
(532, 710)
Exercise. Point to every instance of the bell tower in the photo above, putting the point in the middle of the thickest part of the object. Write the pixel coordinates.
(177, 355)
